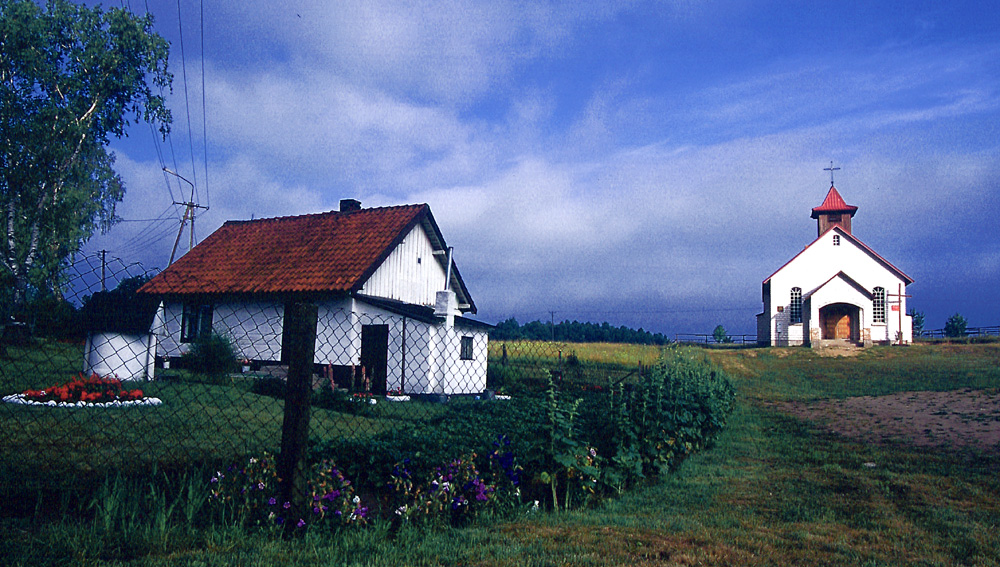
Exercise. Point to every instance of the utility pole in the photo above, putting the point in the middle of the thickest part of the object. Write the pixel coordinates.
(189, 207)
(104, 264)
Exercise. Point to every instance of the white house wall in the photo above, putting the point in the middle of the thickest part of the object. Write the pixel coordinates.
(253, 327)
(817, 264)
(411, 273)
(338, 335)
(429, 363)
(119, 355)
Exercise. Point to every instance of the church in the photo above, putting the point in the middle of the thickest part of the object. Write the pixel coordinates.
(836, 291)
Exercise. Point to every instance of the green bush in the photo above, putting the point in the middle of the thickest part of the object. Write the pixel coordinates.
(955, 326)
(676, 408)
(574, 444)
(212, 355)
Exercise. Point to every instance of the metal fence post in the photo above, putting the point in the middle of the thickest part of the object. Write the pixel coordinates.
(300, 338)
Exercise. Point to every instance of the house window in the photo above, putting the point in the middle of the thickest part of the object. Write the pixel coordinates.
(836, 240)
(466, 353)
(196, 322)
(795, 308)
(878, 305)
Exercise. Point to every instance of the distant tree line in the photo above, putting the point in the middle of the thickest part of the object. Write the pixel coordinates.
(574, 332)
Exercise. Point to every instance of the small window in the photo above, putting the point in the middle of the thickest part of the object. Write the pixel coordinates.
(466, 348)
(836, 240)
(196, 322)
(795, 308)
(878, 305)
(834, 218)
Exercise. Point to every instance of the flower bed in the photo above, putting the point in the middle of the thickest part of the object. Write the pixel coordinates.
(84, 392)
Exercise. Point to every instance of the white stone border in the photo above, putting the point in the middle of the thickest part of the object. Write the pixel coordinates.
(20, 399)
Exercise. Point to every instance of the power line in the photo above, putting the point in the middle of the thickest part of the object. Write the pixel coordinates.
(187, 103)
(204, 106)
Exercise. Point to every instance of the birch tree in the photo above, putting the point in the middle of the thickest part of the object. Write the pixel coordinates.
(71, 78)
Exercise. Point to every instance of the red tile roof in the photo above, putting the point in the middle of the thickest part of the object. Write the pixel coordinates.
(326, 252)
(833, 203)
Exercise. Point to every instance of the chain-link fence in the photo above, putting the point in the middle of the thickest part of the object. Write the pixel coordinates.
(102, 377)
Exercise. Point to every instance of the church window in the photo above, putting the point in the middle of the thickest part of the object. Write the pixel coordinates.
(795, 309)
(878, 305)
(836, 240)
(834, 218)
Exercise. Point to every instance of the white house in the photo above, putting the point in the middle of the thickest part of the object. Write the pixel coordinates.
(392, 304)
(836, 290)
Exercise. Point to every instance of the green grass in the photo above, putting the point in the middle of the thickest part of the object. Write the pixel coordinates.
(801, 374)
(200, 420)
(773, 491)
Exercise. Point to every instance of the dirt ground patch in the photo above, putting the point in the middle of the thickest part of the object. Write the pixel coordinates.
(960, 418)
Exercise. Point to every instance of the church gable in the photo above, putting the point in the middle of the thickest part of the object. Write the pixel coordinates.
(839, 288)
(835, 251)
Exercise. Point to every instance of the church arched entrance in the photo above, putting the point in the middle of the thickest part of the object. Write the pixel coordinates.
(840, 321)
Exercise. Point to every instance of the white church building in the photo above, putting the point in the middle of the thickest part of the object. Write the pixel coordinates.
(837, 290)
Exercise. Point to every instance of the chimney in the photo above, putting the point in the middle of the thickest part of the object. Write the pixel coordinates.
(446, 306)
(348, 205)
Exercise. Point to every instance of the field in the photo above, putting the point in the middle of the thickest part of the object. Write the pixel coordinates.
(787, 483)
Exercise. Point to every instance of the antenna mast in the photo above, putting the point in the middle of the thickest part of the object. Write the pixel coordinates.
(189, 207)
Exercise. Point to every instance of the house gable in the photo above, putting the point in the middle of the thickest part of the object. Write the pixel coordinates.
(415, 269)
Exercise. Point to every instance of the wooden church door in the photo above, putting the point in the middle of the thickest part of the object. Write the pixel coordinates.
(837, 322)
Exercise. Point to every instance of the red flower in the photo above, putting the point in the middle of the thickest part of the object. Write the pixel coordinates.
(86, 389)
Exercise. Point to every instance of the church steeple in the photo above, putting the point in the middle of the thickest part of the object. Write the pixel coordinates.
(833, 211)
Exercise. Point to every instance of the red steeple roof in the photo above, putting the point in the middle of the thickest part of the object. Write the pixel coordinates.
(833, 203)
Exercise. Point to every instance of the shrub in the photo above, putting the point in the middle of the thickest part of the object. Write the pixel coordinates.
(212, 355)
(269, 386)
(568, 447)
(955, 326)
(678, 407)
(720, 336)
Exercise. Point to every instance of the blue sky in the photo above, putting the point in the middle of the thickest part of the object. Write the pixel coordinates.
(642, 163)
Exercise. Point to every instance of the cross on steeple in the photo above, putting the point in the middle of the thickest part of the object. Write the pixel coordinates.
(831, 169)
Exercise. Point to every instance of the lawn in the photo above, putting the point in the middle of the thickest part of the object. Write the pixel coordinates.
(774, 490)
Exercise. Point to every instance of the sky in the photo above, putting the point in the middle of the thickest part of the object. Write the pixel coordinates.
(647, 164)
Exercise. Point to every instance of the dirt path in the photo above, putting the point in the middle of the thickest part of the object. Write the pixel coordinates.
(960, 418)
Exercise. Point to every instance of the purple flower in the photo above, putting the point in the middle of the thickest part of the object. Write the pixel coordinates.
(301, 523)
(272, 501)
(287, 505)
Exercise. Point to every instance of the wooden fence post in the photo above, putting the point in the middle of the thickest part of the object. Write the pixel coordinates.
(300, 346)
